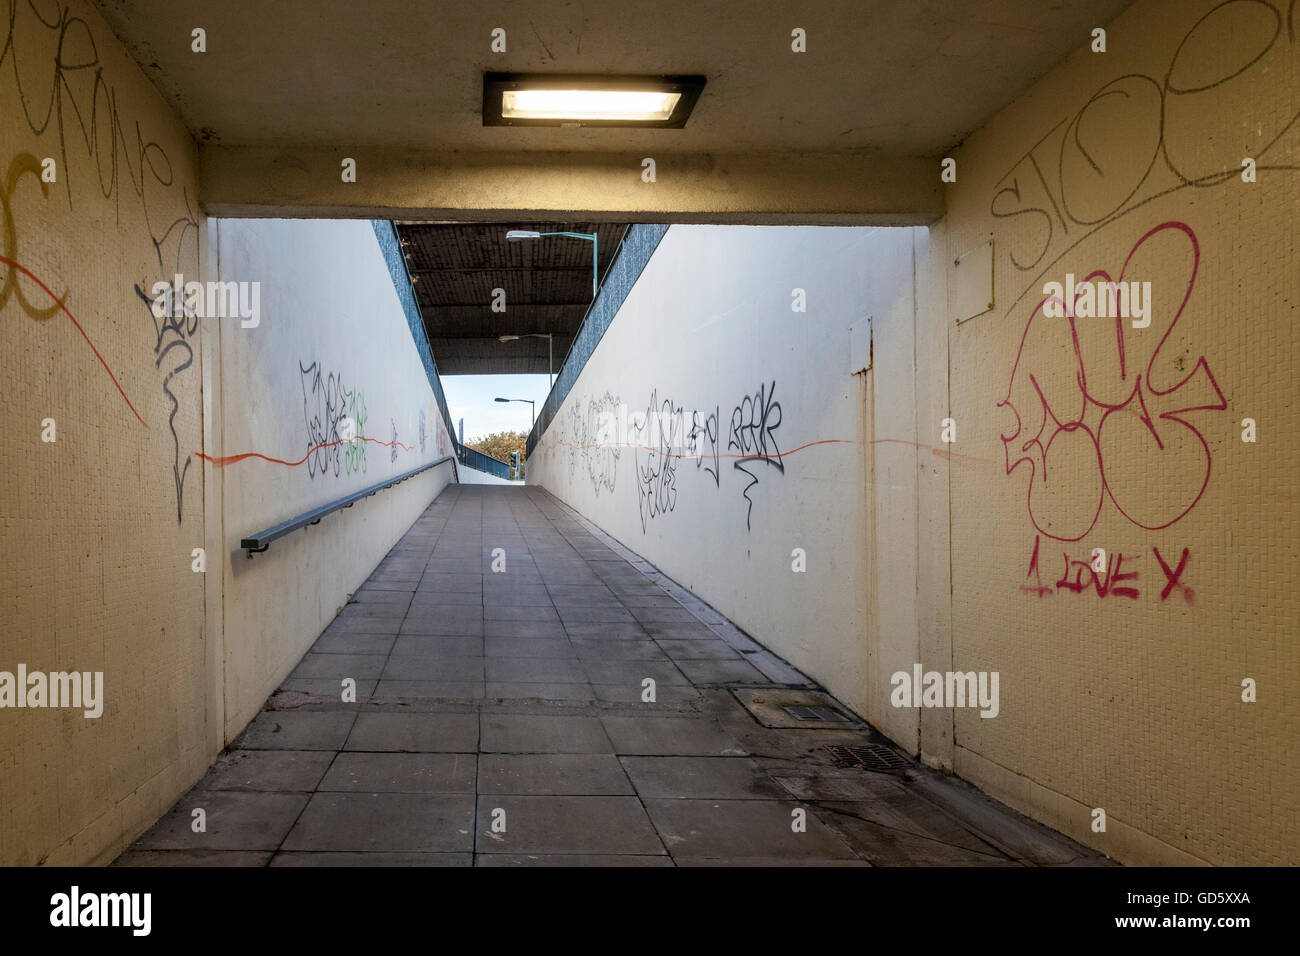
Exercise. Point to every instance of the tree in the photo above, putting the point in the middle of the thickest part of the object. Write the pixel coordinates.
(500, 444)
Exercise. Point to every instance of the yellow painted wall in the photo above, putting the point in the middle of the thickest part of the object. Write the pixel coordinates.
(1130, 440)
(97, 526)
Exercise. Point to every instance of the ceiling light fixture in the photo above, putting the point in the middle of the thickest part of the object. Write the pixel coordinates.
(536, 99)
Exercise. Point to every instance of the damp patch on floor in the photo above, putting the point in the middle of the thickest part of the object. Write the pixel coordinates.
(791, 708)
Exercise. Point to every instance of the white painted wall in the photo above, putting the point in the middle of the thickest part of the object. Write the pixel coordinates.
(707, 328)
(328, 307)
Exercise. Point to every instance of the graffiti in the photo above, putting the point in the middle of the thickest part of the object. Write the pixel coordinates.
(392, 447)
(1110, 424)
(23, 270)
(1080, 575)
(1187, 129)
(1173, 579)
(753, 424)
(24, 164)
(592, 432)
(598, 451)
(172, 334)
(444, 440)
(61, 89)
(323, 409)
(1105, 587)
(354, 456)
(422, 435)
(702, 437)
(656, 460)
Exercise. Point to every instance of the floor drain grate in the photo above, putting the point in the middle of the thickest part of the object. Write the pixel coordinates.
(874, 757)
(802, 712)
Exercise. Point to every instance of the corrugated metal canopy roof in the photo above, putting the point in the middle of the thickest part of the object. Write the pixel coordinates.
(456, 266)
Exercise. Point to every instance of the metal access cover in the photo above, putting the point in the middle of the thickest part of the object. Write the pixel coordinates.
(790, 708)
(814, 713)
(875, 757)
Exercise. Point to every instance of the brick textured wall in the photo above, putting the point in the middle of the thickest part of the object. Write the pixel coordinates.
(1119, 692)
(98, 526)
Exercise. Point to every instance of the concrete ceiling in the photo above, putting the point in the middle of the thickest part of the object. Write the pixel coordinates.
(910, 77)
(847, 132)
(547, 283)
(286, 88)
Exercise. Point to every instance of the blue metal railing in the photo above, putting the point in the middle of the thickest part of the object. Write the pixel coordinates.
(634, 252)
(473, 458)
(391, 246)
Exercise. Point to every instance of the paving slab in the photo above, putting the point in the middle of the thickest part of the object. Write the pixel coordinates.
(426, 667)
(344, 642)
(552, 775)
(720, 672)
(327, 687)
(699, 650)
(670, 736)
(536, 733)
(454, 690)
(741, 829)
(326, 858)
(633, 672)
(233, 820)
(268, 770)
(524, 629)
(509, 612)
(600, 649)
(401, 773)
(566, 824)
(544, 669)
(297, 730)
(542, 691)
(191, 857)
(523, 692)
(720, 778)
(339, 666)
(424, 645)
(415, 733)
(889, 846)
(528, 647)
(384, 822)
(569, 859)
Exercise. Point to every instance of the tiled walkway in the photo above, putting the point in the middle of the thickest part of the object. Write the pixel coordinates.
(500, 721)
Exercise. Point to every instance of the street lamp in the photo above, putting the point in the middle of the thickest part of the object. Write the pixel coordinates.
(522, 235)
(528, 400)
(550, 351)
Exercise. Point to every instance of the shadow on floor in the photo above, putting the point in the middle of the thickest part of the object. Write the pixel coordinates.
(500, 720)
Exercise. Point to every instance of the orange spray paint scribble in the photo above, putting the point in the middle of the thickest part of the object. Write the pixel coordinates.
(937, 452)
(224, 460)
(46, 289)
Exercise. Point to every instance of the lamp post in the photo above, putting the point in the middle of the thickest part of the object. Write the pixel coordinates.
(523, 235)
(550, 351)
(528, 400)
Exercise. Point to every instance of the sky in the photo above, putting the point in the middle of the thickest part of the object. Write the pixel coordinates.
(471, 397)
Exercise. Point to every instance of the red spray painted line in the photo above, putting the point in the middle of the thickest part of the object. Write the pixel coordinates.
(31, 275)
(223, 461)
(630, 444)
(940, 452)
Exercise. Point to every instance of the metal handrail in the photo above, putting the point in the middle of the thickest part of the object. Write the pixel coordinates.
(257, 543)
(471, 457)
